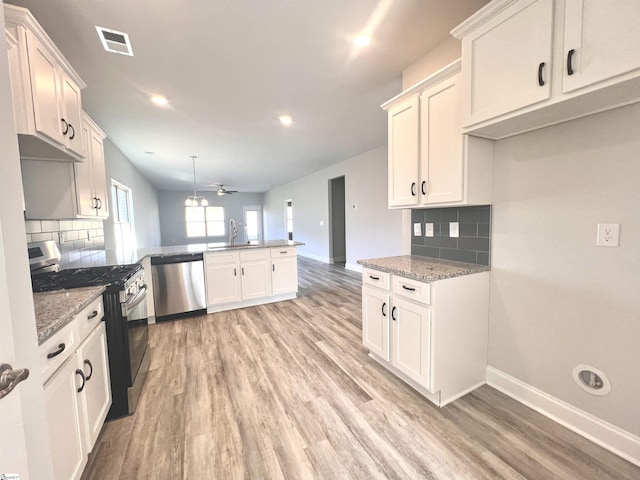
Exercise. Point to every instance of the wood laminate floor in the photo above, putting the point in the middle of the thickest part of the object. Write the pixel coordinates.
(287, 391)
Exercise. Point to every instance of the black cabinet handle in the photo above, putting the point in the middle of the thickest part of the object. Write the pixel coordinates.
(235, 272)
(570, 54)
(84, 379)
(88, 362)
(411, 289)
(66, 126)
(61, 348)
(99, 203)
(540, 69)
(242, 268)
(273, 268)
(373, 277)
(393, 314)
(94, 314)
(283, 252)
(413, 189)
(73, 134)
(423, 187)
(384, 304)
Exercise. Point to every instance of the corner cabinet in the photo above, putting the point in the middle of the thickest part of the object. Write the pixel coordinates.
(244, 277)
(46, 92)
(431, 335)
(574, 58)
(430, 161)
(77, 389)
(58, 189)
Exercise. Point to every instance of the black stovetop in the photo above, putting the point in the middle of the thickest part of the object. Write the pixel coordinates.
(116, 276)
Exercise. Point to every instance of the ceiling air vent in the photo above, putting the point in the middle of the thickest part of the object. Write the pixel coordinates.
(114, 41)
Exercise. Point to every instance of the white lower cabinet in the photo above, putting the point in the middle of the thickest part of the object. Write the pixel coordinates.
(66, 432)
(77, 389)
(431, 335)
(247, 277)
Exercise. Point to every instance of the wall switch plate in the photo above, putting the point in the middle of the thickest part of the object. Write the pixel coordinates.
(428, 229)
(454, 229)
(417, 229)
(608, 235)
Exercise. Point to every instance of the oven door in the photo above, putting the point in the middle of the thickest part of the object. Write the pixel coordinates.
(135, 313)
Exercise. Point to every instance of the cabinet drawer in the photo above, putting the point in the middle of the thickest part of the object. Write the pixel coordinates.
(283, 252)
(413, 289)
(221, 258)
(89, 318)
(375, 278)
(251, 255)
(59, 347)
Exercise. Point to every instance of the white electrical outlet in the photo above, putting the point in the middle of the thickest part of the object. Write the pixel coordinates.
(417, 229)
(428, 229)
(608, 235)
(454, 229)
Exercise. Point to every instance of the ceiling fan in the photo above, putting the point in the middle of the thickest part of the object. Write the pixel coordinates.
(223, 191)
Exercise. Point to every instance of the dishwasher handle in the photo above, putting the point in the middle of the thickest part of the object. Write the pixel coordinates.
(181, 258)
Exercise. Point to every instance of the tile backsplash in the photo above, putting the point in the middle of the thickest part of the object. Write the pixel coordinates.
(473, 244)
(80, 241)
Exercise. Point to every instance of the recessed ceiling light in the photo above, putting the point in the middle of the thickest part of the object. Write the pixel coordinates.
(285, 120)
(159, 100)
(362, 40)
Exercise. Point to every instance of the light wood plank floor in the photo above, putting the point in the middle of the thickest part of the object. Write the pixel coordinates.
(287, 391)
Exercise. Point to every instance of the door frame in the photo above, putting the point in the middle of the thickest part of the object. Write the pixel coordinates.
(245, 209)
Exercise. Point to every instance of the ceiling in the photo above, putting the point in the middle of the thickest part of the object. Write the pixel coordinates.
(229, 68)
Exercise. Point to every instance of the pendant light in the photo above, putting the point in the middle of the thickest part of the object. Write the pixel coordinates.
(195, 200)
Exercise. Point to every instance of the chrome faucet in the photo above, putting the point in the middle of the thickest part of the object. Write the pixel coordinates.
(233, 231)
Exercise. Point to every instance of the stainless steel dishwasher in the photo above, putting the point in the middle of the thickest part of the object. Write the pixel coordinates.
(178, 285)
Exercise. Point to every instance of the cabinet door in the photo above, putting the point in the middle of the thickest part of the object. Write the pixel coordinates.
(375, 321)
(72, 114)
(223, 283)
(84, 189)
(98, 174)
(284, 275)
(502, 60)
(410, 340)
(43, 72)
(403, 153)
(441, 155)
(256, 280)
(96, 396)
(605, 40)
(66, 432)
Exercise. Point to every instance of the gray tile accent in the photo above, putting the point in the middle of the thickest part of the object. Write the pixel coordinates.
(474, 243)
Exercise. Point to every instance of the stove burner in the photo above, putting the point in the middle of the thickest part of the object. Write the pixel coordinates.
(84, 277)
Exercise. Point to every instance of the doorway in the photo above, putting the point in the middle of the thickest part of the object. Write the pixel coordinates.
(288, 217)
(252, 223)
(337, 221)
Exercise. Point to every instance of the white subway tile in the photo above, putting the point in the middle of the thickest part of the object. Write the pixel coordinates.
(50, 225)
(33, 226)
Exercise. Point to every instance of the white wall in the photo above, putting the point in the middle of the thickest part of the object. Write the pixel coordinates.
(145, 199)
(442, 55)
(556, 299)
(172, 219)
(372, 230)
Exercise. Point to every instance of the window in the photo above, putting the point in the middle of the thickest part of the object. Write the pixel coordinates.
(122, 217)
(204, 221)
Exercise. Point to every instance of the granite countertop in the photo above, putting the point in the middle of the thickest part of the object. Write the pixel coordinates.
(422, 268)
(57, 308)
(115, 257)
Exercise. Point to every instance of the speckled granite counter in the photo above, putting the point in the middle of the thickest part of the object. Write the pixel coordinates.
(57, 308)
(115, 257)
(422, 268)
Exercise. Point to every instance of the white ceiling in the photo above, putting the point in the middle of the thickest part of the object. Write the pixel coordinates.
(229, 68)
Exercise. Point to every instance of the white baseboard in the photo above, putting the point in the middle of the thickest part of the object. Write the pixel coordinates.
(314, 257)
(353, 267)
(608, 436)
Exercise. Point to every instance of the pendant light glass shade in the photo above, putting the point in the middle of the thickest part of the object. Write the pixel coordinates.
(195, 200)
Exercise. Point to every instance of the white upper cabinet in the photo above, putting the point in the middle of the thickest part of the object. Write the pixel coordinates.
(431, 163)
(90, 176)
(404, 131)
(511, 61)
(528, 64)
(46, 92)
(601, 41)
